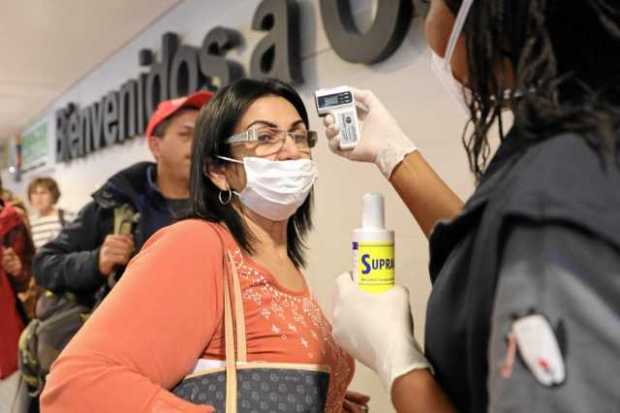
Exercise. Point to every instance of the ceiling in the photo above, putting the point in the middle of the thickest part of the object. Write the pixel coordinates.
(46, 46)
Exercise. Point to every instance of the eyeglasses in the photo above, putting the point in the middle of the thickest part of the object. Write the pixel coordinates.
(265, 141)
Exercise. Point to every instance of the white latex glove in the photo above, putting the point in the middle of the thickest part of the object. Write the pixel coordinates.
(382, 142)
(377, 329)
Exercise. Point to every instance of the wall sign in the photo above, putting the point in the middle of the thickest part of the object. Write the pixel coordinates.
(34, 147)
(122, 114)
(386, 34)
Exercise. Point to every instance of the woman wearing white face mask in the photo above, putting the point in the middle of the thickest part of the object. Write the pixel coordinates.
(253, 172)
(523, 314)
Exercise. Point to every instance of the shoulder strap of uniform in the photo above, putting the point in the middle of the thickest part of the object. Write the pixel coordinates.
(61, 217)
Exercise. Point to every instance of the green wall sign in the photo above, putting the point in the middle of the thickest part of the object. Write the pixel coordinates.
(35, 147)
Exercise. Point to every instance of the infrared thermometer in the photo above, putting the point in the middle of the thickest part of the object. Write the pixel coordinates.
(340, 103)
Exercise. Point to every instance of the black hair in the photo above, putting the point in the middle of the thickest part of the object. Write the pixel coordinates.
(565, 56)
(215, 123)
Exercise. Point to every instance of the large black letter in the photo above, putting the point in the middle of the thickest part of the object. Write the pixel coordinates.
(215, 68)
(379, 42)
(127, 103)
(96, 122)
(62, 147)
(277, 54)
(75, 135)
(157, 81)
(86, 131)
(142, 120)
(184, 72)
(110, 118)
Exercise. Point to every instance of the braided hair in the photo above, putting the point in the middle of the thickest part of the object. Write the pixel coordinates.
(565, 57)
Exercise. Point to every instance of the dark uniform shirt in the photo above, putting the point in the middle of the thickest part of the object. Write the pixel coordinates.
(541, 235)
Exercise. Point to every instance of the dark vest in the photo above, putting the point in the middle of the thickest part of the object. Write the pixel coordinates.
(561, 180)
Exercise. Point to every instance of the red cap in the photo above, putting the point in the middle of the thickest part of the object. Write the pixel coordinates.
(168, 108)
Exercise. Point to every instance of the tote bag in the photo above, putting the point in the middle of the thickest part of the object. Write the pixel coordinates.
(247, 387)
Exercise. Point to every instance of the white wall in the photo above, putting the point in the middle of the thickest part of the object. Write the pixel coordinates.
(404, 83)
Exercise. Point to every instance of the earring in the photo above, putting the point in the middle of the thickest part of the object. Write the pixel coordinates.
(228, 199)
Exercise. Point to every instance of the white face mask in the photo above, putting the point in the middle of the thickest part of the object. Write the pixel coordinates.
(276, 189)
(441, 66)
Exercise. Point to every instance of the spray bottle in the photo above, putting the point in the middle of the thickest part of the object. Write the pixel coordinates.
(373, 248)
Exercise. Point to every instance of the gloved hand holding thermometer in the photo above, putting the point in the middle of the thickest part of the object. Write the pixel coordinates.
(381, 140)
(377, 328)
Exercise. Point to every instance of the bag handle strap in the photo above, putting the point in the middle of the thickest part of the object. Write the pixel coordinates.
(234, 325)
(231, 365)
(239, 314)
(231, 276)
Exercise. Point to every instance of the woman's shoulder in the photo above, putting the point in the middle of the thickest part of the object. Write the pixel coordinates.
(569, 145)
(188, 248)
(565, 179)
(199, 226)
(188, 235)
(567, 163)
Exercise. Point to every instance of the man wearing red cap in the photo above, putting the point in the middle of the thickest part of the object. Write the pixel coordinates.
(87, 252)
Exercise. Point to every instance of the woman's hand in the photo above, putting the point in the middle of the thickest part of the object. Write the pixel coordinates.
(11, 262)
(382, 141)
(355, 402)
(377, 329)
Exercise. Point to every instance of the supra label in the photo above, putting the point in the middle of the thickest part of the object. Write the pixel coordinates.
(375, 267)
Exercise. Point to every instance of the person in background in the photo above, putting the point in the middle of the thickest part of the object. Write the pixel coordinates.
(17, 203)
(27, 296)
(44, 224)
(47, 220)
(86, 252)
(16, 253)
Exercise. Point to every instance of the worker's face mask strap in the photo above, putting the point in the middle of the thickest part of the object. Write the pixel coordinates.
(441, 66)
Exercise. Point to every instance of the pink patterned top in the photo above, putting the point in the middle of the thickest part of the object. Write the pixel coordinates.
(286, 326)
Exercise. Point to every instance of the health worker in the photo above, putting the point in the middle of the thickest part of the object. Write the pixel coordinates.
(524, 313)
